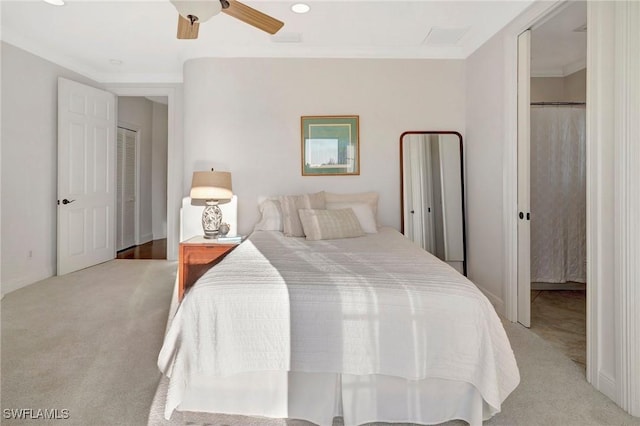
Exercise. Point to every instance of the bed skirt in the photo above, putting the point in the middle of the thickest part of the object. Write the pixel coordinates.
(319, 397)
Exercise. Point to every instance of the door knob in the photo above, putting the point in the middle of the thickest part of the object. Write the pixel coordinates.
(412, 212)
(65, 201)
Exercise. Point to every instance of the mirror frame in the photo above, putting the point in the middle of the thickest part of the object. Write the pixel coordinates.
(464, 213)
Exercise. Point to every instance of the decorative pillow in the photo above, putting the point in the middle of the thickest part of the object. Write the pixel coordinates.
(330, 224)
(270, 215)
(370, 198)
(290, 204)
(363, 213)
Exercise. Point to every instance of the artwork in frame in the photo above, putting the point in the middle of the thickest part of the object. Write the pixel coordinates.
(330, 145)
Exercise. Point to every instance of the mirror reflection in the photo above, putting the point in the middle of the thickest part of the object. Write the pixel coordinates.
(433, 194)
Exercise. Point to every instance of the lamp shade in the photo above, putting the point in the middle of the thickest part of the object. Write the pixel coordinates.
(211, 186)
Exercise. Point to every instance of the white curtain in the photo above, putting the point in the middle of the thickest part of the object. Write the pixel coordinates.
(558, 194)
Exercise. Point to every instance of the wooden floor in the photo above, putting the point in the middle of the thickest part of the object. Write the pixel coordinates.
(156, 249)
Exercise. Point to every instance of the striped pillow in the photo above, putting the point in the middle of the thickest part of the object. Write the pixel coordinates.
(291, 203)
(330, 224)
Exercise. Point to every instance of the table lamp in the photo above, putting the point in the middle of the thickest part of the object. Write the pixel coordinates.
(212, 188)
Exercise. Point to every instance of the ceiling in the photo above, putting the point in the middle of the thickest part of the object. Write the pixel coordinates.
(127, 41)
(557, 49)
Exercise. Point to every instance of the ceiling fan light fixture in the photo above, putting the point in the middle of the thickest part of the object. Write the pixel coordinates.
(202, 10)
(300, 8)
(55, 2)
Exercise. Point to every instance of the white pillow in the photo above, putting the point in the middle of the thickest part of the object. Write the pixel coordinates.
(290, 204)
(330, 224)
(370, 198)
(270, 216)
(362, 211)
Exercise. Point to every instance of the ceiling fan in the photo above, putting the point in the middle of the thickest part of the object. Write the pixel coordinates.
(193, 12)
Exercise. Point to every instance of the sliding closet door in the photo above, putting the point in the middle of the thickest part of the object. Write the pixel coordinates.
(524, 179)
(126, 189)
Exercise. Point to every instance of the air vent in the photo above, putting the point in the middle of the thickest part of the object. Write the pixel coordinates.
(440, 36)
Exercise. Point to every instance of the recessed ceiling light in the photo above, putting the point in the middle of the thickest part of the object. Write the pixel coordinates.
(300, 8)
(55, 2)
(115, 61)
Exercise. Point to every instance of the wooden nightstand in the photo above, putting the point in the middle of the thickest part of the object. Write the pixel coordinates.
(196, 256)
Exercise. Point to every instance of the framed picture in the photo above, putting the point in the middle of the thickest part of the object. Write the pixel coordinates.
(330, 145)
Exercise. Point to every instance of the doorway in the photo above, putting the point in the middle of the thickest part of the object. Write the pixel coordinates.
(142, 167)
(552, 184)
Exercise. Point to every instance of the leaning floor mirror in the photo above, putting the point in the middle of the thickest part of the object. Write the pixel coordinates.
(432, 191)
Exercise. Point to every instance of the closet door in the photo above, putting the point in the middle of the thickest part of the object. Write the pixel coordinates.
(126, 189)
(524, 178)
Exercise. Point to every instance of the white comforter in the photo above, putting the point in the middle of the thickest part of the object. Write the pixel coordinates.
(372, 305)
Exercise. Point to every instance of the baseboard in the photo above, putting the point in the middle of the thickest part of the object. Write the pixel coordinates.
(30, 277)
(159, 236)
(498, 303)
(607, 385)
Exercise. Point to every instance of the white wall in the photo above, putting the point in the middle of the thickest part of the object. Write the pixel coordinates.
(572, 88)
(159, 144)
(485, 123)
(29, 166)
(575, 86)
(243, 115)
(547, 89)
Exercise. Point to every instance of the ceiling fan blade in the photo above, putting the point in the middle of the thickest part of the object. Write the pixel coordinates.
(253, 17)
(186, 29)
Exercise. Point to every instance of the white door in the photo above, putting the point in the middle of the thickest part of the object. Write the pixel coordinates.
(524, 224)
(86, 176)
(126, 189)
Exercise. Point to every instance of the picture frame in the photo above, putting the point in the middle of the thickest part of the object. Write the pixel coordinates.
(330, 145)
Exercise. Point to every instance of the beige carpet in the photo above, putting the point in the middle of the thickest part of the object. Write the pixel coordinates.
(88, 342)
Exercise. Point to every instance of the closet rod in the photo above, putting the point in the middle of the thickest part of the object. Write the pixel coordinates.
(558, 103)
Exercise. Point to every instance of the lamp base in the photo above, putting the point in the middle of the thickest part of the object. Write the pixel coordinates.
(211, 220)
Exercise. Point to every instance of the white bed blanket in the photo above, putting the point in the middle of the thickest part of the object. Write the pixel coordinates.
(377, 304)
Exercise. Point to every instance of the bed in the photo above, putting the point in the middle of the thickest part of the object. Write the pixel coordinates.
(370, 328)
